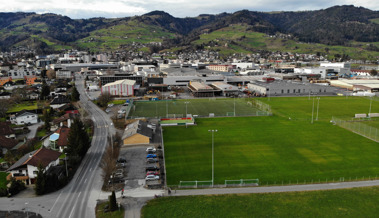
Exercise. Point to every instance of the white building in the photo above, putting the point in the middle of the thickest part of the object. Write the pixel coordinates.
(24, 118)
(63, 74)
(26, 168)
(120, 88)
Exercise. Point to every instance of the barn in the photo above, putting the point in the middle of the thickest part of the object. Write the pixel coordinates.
(120, 88)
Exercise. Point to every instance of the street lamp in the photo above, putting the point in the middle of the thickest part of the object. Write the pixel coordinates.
(65, 160)
(27, 212)
(213, 172)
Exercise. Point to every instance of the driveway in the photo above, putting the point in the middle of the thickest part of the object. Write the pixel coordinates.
(33, 130)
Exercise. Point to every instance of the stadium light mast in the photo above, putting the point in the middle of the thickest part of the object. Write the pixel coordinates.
(318, 104)
(369, 111)
(234, 105)
(313, 108)
(213, 170)
(186, 102)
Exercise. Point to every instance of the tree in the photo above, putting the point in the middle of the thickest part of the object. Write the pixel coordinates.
(112, 202)
(40, 181)
(4, 106)
(45, 92)
(47, 119)
(51, 74)
(104, 99)
(78, 142)
(75, 95)
(373, 72)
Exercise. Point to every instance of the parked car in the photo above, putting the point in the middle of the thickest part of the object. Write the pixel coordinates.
(151, 160)
(152, 173)
(118, 175)
(121, 160)
(151, 156)
(119, 116)
(119, 171)
(152, 177)
(108, 110)
(110, 105)
(120, 165)
(152, 168)
(151, 149)
(122, 111)
(125, 104)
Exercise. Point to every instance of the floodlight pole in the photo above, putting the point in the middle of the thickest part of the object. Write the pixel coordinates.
(234, 105)
(313, 108)
(213, 172)
(166, 109)
(369, 112)
(318, 104)
(186, 111)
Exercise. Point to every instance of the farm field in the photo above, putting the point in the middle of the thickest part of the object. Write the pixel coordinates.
(273, 149)
(357, 202)
(201, 107)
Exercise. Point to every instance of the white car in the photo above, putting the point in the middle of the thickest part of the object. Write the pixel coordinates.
(110, 105)
(151, 149)
(122, 111)
(151, 177)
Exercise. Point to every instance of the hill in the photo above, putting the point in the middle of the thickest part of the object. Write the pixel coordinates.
(344, 27)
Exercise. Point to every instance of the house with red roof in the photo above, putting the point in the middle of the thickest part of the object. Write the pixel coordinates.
(26, 168)
(59, 139)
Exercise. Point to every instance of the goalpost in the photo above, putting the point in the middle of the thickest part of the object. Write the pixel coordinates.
(195, 184)
(242, 182)
(230, 114)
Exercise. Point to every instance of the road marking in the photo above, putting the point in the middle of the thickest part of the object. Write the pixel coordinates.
(55, 202)
(85, 181)
(90, 169)
(75, 205)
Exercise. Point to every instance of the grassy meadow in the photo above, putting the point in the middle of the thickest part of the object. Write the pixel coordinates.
(275, 149)
(357, 202)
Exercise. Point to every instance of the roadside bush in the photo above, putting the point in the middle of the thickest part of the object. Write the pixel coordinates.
(3, 192)
(16, 187)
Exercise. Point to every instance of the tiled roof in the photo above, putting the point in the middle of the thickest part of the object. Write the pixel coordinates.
(60, 99)
(5, 128)
(7, 142)
(41, 156)
(63, 136)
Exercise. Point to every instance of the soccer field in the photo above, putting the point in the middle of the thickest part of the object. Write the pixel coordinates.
(273, 149)
(200, 107)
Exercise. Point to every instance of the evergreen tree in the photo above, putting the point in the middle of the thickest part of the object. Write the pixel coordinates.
(78, 142)
(75, 96)
(45, 92)
(112, 202)
(47, 119)
(40, 181)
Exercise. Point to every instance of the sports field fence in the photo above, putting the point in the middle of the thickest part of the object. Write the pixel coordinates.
(359, 127)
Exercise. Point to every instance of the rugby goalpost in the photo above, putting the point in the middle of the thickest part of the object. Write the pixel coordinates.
(242, 182)
(195, 184)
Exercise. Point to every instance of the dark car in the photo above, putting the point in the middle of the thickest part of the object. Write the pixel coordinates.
(121, 160)
(151, 156)
(151, 160)
(152, 168)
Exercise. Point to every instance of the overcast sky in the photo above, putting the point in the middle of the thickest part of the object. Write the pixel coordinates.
(177, 8)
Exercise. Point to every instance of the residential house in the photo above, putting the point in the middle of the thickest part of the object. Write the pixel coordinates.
(7, 144)
(33, 95)
(24, 117)
(137, 132)
(26, 168)
(6, 130)
(68, 109)
(4, 80)
(5, 95)
(29, 80)
(65, 120)
(59, 139)
(59, 101)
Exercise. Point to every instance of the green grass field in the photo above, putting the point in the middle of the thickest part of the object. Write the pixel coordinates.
(357, 202)
(23, 106)
(201, 107)
(274, 149)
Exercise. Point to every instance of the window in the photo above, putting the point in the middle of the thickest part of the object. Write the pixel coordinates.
(35, 172)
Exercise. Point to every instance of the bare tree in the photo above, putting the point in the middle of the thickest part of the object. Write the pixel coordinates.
(104, 98)
(108, 162)
(4, 106)
(51, 74)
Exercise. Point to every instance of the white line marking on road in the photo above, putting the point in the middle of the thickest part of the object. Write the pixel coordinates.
(85, 181)
(75, 205)
(55, 201)
(90, 169)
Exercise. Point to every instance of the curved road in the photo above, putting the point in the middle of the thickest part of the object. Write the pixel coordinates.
(78, 198)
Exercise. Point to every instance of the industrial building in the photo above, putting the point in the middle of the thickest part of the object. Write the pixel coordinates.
(288, 88)
(120, 88)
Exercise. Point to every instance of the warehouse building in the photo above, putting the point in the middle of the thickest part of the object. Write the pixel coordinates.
(288, 88)
(120, 88)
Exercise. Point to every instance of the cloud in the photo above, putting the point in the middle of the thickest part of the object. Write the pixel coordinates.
(177, 8)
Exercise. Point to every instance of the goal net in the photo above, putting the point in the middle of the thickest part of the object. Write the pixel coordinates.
(230, 114)
(242, 182)
(195, 184)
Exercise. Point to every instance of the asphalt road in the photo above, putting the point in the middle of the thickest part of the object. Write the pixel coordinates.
(79, 197)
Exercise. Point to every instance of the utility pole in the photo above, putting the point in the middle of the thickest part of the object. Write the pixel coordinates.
(213, 172)
(187, 102)
(234, 105)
